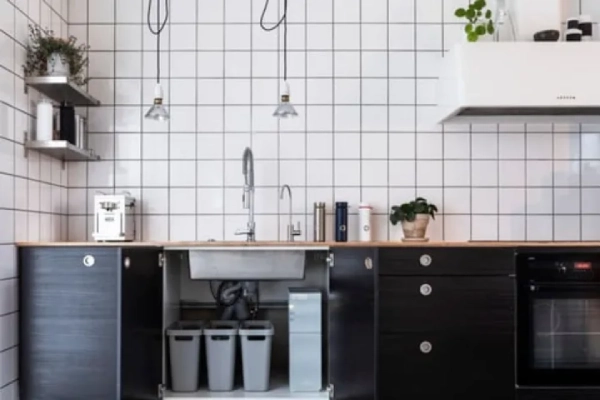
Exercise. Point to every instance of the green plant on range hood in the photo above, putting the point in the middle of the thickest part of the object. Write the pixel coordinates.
(479, 20)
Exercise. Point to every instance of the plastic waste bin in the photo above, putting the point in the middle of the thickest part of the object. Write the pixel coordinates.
(256, 354)
(184, 346)
(221, 341)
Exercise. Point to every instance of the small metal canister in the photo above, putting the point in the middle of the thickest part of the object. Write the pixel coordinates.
(81, 132)
(319, 215)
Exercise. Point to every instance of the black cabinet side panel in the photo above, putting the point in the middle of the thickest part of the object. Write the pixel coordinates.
(352, 329)
(141, 326)
(68, 324)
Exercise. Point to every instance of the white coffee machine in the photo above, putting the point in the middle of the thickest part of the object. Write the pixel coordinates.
(114, 219)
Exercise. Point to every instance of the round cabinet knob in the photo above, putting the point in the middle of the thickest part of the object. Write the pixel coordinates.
(369, 263)
(426, 289)
(425, 347)
(89, 261)
(425, 260)
(127, 262)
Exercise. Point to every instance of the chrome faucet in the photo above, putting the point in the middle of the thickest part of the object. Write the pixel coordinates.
(248, 196)
(291, 231)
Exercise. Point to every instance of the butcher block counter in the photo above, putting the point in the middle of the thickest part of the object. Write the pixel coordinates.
(299, 244)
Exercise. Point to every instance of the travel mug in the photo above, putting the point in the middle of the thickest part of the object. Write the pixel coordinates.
(341, 222)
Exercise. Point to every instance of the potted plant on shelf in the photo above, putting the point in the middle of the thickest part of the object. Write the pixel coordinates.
(479, 20)
(51, 56)
(414, 217)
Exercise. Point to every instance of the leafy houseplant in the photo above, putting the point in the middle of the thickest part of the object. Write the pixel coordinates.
(43, 46)
(414, 217)
(479, 20)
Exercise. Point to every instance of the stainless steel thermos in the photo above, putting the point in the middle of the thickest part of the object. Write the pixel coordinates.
(341, 222)
(319, 215)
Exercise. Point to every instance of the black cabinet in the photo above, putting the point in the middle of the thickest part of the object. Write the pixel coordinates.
(90, 323)
(454, 304)
(471, 261)
(443, 365)
(446, 324)
(352, 324)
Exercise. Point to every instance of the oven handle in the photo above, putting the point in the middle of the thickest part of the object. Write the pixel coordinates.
(568, 286)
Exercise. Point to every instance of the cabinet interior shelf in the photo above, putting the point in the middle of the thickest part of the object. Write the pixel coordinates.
(61, 149)
(279, 391)
(61, 89)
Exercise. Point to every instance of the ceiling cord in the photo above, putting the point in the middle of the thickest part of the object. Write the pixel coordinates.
(272, 28)
(160, 26)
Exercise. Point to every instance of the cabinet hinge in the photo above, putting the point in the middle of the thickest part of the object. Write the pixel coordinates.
(161, 260)
(331, 391)
(330, 260)
(161, 391)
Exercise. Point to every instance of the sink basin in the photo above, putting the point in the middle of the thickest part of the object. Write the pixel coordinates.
(251, 264)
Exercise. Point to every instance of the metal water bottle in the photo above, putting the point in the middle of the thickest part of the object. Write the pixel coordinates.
(341, 222)
(319, 215)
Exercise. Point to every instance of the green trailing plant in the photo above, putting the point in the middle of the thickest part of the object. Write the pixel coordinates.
(409, 211)
(479, 20)
(43, 43)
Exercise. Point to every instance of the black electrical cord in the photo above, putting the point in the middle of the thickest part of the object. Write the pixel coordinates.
(272, 28)
(160, 26)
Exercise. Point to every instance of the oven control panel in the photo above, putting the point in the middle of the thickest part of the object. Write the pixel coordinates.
(560, 268)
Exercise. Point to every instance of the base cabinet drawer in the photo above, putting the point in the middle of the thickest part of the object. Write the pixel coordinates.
(450, 304)
(441, 365)
(446, 261)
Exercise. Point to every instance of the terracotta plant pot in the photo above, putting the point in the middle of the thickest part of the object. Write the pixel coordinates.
(416, 229)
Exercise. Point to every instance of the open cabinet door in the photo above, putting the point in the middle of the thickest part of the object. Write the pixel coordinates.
(141, 323)
(352, 324)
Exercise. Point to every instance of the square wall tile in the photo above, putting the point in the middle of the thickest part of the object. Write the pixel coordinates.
(182, 201)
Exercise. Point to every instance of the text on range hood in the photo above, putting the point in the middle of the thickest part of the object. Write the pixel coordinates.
(521, 82)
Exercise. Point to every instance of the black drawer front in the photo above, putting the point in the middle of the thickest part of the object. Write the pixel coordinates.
(558, 394)
(454, 304)
(446, 261)
(466, 367)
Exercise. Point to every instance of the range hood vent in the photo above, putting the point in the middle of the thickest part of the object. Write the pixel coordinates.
(521, 82)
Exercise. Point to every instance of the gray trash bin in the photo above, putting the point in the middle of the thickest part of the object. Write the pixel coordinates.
(184, 350)
(221, 341)
(256, 354)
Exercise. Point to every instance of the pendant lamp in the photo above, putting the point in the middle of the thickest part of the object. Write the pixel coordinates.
(285, 109)
(158, 111)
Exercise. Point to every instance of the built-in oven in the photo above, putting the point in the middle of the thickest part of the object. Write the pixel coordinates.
(558, 319)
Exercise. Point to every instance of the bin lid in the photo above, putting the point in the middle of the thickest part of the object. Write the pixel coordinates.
(185, 328)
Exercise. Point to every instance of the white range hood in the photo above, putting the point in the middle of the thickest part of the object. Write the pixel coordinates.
(517, 82)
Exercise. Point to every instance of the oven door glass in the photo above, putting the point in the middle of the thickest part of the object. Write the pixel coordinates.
(559, 336)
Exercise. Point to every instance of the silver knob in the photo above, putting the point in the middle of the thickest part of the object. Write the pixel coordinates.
(426, 289)
(89, 261)
(425, 260)
(368, 263)
(127, 262)
(425, 347)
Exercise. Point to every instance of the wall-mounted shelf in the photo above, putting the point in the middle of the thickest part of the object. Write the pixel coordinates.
(61, 149)
(61, 89)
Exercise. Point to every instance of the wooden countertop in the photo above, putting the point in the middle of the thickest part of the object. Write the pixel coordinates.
(272, 244)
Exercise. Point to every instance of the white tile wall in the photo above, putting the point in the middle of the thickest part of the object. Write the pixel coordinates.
(363, 76)
(33, 194)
